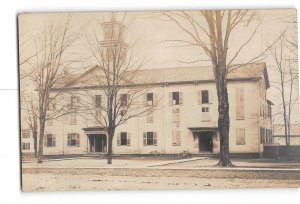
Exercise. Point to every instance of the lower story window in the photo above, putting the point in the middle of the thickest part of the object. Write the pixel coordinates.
(25, 146)
(123, 138)
(240, 136)
(50, 140)
(150, 139)
(73, 139)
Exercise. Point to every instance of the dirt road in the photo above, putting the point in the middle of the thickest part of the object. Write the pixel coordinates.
(68, 179)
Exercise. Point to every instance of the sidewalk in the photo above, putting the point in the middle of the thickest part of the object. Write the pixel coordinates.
(201, 163)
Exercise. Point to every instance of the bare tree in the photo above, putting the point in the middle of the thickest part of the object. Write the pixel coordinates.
(45, 67)
(116, 76)
(286, 65)
(29, 107)
(210, 31)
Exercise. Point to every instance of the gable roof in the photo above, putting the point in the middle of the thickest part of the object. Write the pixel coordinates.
(182, 74)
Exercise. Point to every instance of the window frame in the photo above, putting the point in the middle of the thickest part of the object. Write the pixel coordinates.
(204, 96)
(122, 134)
(238, 140)
(53, 140)
(177, 100)
(70, 140)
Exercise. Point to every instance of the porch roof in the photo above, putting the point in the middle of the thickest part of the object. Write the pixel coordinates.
(94, 130)
(202, 129)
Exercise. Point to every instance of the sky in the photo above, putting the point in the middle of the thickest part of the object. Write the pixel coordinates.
(154, 39)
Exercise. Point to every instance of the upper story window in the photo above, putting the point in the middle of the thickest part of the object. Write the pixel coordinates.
(51, 105)
(25, 146)
(149, 115)
(205, 96)
(176, 98)
(240, 103)
(97, 101)
(124, 99)
(205, 109)
(74, 100)
(73, 118)
(176, 114)
(149, 99)
(25, 134)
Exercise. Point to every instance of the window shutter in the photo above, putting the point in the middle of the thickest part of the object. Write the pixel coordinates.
(178, 139)
(128, 100)
(154, 138)
(77, 140)
(240, 109)
(128, 138)
(155, 99)
(145, 139)
(180, 98)
(53, 140)
(173, 137)
(45, 140)
(119, 139)
(210, 96)
(199, 97)
(145, 99)
(240, 136)
(170, 98)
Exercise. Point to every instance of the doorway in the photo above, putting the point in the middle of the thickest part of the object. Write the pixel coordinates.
(205, 140)
(97, 143)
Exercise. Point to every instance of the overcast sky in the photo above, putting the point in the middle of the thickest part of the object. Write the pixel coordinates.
(151, 34)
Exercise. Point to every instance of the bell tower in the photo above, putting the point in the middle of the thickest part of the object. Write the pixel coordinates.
(114, 47)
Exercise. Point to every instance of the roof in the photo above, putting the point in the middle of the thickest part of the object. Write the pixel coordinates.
(183, 74)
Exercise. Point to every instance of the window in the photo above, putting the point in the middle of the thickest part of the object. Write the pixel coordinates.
(176, 114)
(240, 136)
(150, 139)
(49, 120)
(176, 138)
(97, 117)
(74, 102)
(149, 99)
(51, 104)
(73, 118)
(50, 140)
(240, 107)
(25, 146)
(123, 139)
(204, 96)
(261, 133)
(25, 134)
(149, 116)
(175, 98)
(97, 101)
(124, 99)
(205, 114)
(205, 109)
(73, 139)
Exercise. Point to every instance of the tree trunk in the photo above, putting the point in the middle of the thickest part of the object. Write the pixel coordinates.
(223, 121)
(35, 135)
(41, 140)
(109, 151)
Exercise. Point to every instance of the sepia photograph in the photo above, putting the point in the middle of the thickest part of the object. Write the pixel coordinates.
(162, 99)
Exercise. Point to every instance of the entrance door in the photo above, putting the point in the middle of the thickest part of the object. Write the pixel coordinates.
(97, 143)
(205, 142)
